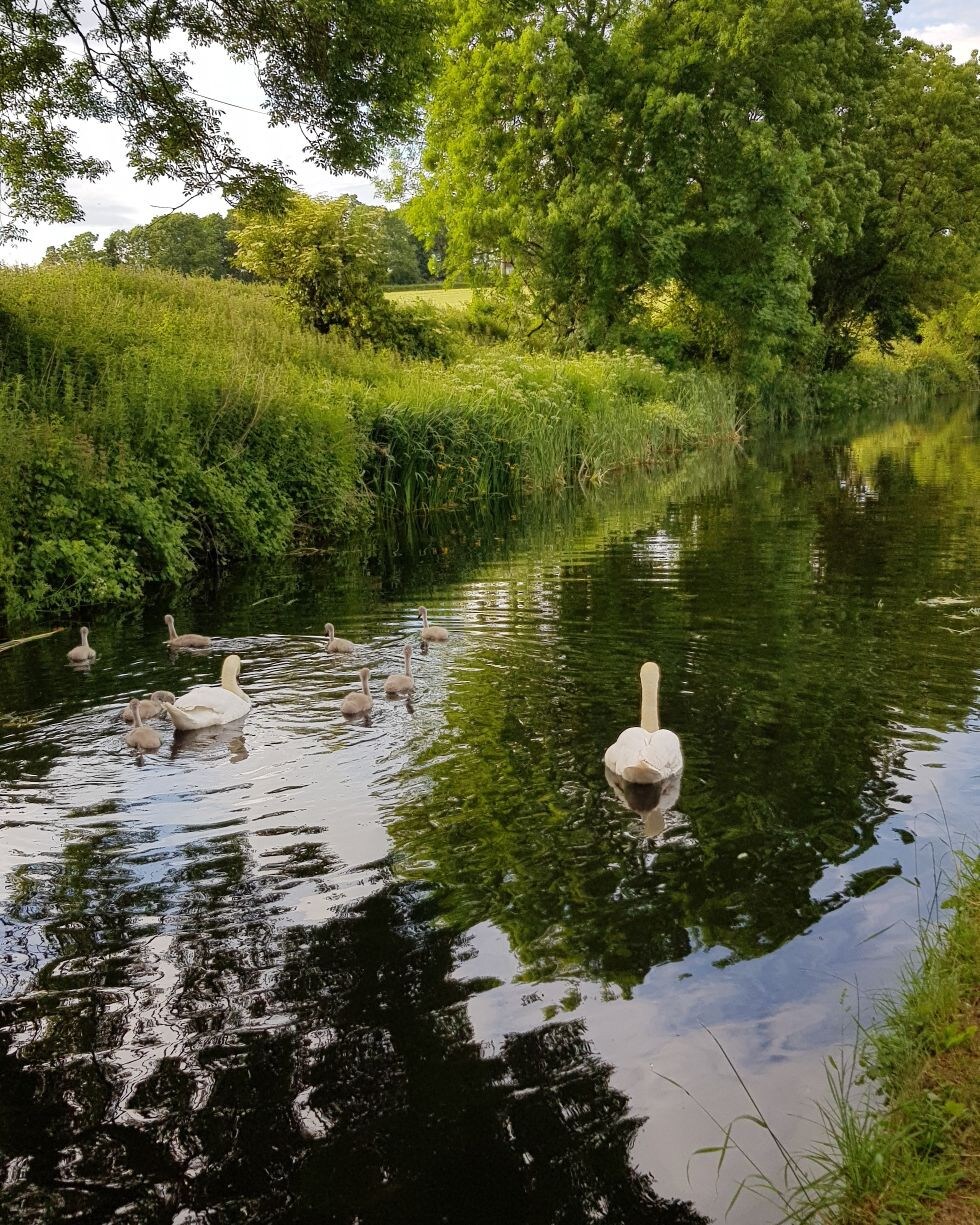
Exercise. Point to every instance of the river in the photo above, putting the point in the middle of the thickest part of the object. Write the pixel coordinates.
(430, 969)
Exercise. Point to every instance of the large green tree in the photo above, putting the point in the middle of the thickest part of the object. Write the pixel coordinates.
(916, 246)
(603, 147)
(350, 74)
(534, 160)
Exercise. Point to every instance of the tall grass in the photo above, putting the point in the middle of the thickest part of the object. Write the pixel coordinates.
(150, 424)
(901, 1121)
(504, 423)
(910, 372)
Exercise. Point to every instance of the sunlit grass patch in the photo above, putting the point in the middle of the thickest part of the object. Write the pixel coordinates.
(437, 296)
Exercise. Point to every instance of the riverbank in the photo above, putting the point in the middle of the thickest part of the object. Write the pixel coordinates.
(913, 1157)
(154, 425)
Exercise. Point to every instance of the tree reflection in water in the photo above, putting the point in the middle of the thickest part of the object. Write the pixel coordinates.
(223, 1070)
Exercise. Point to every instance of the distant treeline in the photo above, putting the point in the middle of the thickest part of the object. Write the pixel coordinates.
(203, 246)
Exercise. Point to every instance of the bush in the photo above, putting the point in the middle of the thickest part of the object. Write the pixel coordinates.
(151, 423)
(413, 331)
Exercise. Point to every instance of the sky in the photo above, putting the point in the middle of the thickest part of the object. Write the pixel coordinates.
(117, 201)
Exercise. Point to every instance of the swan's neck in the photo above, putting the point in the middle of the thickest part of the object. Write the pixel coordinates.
(136, 716)
(171, 630)
(649, 715)
(408, 663)
(425, 619)
(84, 637)
(229, 681)
(364, 685)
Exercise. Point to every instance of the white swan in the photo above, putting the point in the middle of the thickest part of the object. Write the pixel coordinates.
(211, 705)
(646, 754)
(431, 633)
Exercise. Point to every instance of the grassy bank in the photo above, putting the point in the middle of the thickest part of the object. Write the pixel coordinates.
(914, 1154)
(151, 424)
(911, 372)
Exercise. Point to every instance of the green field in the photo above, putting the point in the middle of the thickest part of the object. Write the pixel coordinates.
(440, 298)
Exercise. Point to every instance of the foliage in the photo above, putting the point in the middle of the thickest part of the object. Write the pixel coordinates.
(175, 242)
(919, 234)
(349, 74)
(154, 423)
(202, 246)
(408, 263)
(502, 424)
(330, 255)
(957, 329)
(874, 380)
(606, 149)
(333, 257)
(80, 249)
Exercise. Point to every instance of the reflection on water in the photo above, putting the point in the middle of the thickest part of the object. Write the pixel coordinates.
(228, 740)
(430, 968)
(651, 801)
(323, 1072)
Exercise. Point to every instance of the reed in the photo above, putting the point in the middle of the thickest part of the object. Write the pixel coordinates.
(504, 424)
(905, 1148)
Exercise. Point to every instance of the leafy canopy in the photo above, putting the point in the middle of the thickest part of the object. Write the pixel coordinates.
(202, 246)
(176, 242)
(602, 148)
(350, 74)
(916, 247)
(330, 255)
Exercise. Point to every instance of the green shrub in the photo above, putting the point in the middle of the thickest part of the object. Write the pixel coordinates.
(150, 423)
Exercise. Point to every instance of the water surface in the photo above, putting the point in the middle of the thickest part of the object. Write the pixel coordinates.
(431, 970)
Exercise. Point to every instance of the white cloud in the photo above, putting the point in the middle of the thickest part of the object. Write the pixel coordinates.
(959, 35)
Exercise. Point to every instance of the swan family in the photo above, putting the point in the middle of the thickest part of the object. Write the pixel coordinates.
(643, 766)
(215, 705)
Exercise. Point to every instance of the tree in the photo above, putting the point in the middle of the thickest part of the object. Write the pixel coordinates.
(531, 159)
(78, 250)
(350, 74)
(608, 147)
(917, 240)
(176, 242)
(407, 259)
(330, 254)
